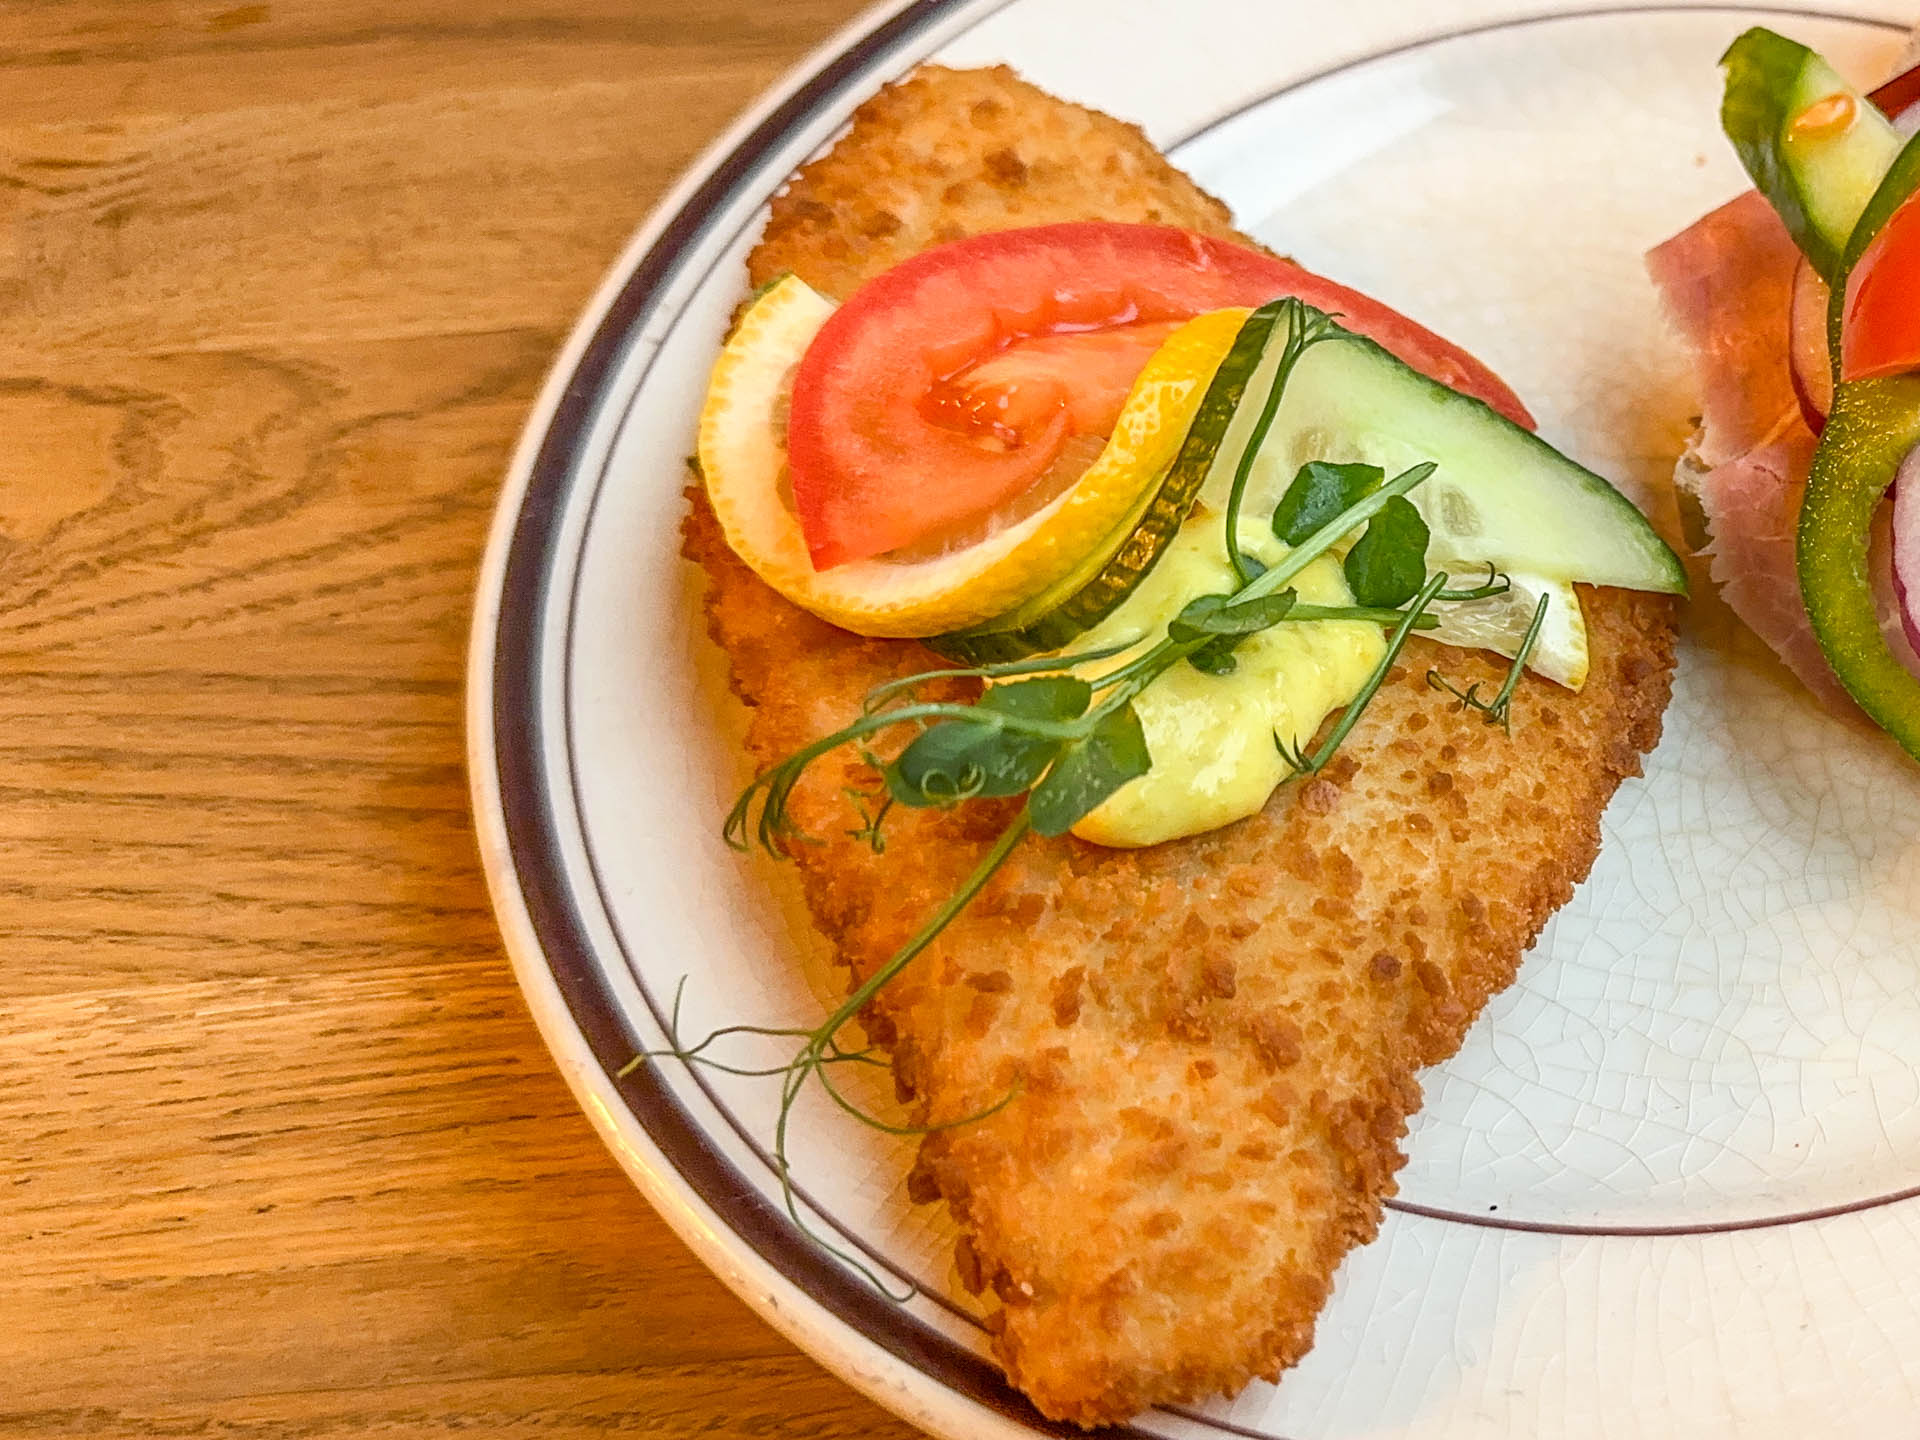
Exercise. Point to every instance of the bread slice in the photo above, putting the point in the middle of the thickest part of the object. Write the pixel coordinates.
(1212, 1043)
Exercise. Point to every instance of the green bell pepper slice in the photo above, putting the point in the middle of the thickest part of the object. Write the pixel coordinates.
(1875, 424)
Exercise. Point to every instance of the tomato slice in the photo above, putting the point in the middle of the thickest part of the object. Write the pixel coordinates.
(1880, 328)
(1014, 394)
(901, 424)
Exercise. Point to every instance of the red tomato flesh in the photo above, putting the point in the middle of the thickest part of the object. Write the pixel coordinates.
(1014, 395)
(1880, 328)
(949, 384)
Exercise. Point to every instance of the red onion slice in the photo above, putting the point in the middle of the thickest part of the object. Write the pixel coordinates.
(1899, 100)
(1906, 543)
(1808, 356)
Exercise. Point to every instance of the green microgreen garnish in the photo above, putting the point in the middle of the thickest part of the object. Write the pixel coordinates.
(1040, 664)
(964, 760)
(1321, 492)
(1499, 710)
(1306, 327)
(872, 807)
(1494, 584)
(1065, 735)
(1388, 564)
(1302, 764)
(821, 1049)
(1223, 622)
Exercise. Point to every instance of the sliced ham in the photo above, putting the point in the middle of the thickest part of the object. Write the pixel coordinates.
(1727, 284)
(1727, 281)
(1752, 508)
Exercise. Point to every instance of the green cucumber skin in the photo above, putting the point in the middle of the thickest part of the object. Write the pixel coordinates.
(1817, 187)
(1763, 74)
(1047, 622)
(1543, 513)
(1873, 426)
(1054, 618)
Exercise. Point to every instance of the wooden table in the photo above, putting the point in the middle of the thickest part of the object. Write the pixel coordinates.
(282, 1153)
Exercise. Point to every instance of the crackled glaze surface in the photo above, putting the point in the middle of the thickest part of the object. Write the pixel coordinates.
(1712, 1038)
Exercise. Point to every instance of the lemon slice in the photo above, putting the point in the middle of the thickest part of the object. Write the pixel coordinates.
(743, 458)
(1499, 623)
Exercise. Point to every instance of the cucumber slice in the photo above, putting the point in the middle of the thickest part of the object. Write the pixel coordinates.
(1113, 570)
(1501, 495)
(1815, 146)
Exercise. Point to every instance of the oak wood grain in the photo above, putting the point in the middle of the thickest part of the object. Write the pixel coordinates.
(280, 1152)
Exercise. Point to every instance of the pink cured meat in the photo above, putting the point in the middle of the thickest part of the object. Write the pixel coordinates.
(1727, 281)
(1752, 505)
(1727, 284)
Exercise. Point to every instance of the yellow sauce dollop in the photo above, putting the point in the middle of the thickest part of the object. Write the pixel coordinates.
(1212, 736)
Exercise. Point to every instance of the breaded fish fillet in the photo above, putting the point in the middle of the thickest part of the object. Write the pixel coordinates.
(1212, 1043)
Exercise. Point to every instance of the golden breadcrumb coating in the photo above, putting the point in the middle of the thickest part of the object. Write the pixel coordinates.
(950, 153)
(1212, 1043)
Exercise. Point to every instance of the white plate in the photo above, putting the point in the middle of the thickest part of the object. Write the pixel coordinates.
(1667, 1186)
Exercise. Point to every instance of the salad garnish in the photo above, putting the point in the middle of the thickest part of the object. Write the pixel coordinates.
(1840, 176)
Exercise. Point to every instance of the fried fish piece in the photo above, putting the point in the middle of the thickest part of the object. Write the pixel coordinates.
(1211, 1044)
